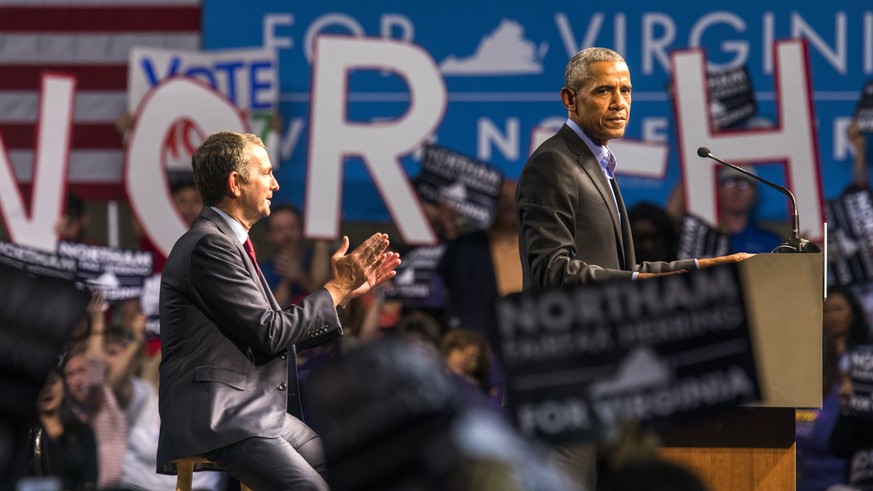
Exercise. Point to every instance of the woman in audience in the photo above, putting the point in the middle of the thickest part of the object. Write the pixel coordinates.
(467, 354)
(852, 434)
(844, 326)
(845, 322)
(67, 448)
(94, 402)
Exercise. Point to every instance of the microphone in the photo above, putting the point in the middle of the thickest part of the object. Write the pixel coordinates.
(794, 243)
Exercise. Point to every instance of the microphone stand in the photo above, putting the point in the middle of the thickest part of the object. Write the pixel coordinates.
(795, 243)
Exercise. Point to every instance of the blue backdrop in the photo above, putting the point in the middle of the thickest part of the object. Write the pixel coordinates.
(544, 35)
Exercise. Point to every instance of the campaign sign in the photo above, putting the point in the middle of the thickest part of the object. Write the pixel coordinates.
(248, 77)
(117, 272)
(864, 109)
(731, 97)
(464, 183)
(698, 239)
(580, 361)
(37, 261)
(417, 281)
(850, 235)
(150, 304)
(861, 374)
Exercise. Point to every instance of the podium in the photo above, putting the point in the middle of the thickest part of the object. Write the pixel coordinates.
(752, 447)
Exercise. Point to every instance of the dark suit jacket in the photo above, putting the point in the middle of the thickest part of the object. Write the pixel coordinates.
(224, 340)
(467, 269)
(569, 228)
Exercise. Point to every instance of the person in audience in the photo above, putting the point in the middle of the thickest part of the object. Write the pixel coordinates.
(139, 401)
(447, 224)
(630, 461)
(67, 447)
(444, 219)
(294, 270)
(818, 467)
(479, 267)
(655, 235)
(845, 321)
(467, 355)
(84, 370)
(852, 434)
(653, 475)
(358, 321)
(188, 204)
(852, 440)
(187, 199)
(860, 173)
(737, 196)
(73, 225)
(421, 328)
(392, 418)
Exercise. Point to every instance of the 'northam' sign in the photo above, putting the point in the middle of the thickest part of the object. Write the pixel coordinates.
(580, 361)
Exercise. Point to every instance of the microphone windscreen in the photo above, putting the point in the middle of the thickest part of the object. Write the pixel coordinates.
(703, 152)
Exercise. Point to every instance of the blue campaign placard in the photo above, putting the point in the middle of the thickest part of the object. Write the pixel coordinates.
(503, 69)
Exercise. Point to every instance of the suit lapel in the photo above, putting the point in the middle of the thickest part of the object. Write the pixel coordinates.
(592, 167)
(214, 217)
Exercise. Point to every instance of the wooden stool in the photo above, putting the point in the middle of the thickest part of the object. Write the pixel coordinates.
(185, 472)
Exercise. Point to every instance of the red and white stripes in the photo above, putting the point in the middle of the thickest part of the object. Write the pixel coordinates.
(91, 40)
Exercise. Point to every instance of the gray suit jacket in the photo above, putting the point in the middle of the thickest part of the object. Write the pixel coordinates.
(224, 341)
(568, 224)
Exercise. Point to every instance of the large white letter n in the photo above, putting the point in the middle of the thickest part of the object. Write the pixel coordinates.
(379, 144)
(51, 157)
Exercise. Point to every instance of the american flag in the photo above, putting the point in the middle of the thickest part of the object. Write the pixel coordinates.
(91, 40)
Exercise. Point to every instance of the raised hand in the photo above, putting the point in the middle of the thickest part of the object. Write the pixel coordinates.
(97, 305)
(384, 272)
(361, 270)
(287, 265)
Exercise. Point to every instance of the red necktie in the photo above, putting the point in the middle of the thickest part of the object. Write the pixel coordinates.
(250, 249)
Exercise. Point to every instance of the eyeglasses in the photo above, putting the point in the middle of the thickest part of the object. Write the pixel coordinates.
(740, 183)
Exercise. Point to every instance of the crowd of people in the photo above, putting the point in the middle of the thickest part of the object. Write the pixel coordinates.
(833, 443)
(99, 422)
(98, 412)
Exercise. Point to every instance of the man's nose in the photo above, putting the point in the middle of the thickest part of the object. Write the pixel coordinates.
(618, 102)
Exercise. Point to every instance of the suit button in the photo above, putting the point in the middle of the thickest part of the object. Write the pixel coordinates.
(284, 355)
(281, 387)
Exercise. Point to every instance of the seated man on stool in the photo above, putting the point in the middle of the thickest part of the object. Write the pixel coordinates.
(224, 382)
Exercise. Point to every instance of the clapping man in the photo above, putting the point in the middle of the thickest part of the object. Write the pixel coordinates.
(224, 382)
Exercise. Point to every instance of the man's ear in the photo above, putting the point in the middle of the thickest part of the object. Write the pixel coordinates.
(233, 184)
(568, 97)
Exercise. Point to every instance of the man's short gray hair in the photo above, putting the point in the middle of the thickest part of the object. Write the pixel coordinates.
(579, 67)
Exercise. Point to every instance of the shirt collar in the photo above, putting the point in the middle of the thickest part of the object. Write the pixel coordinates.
(237, 227)
(604, 156)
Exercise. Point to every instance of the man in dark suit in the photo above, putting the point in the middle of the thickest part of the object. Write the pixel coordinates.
(572, 222)
(226, 343)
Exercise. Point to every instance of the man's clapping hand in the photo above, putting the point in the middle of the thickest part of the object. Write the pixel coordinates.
(361, 270)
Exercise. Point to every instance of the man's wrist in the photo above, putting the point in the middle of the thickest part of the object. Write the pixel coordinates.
(336, 292)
